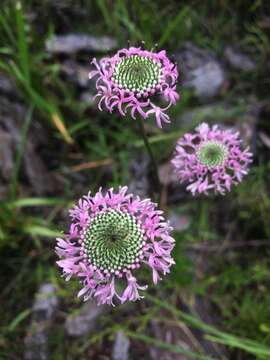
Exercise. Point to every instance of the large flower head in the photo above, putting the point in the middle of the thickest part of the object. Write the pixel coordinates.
(111, 236)
(211, 159)
(131, 80)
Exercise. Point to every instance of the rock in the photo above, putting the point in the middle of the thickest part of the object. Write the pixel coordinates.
(7, 85)
(121, 347)
(73, 43)
(6, 155)
(46, 301)
(201, 71)
(179, 222)
(44, 308)
(138, 169)
(238, 60)
(85, 321)
(76, 73)
(88, 99)
(12, 116)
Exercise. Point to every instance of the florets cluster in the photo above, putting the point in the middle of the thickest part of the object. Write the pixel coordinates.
(111, 236)
(132, 79)
(211, 159)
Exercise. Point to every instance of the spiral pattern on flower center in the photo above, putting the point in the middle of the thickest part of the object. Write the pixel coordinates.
(113, 241)
(212, 153)
(137, 73)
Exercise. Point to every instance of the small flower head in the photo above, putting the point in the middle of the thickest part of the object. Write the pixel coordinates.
(111, 236)
(211, 159)
(132, 79)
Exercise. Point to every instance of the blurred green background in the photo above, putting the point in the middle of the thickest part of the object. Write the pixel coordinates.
(55, 146)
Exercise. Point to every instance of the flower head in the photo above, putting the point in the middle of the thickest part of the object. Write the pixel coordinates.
(132, 78)
(111, 236)
(211, 159)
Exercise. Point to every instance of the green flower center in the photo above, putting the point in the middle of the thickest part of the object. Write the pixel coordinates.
(113, 241)
(137, 73)
(212, 153)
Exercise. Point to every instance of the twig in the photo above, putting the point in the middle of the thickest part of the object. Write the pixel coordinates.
(91, 165)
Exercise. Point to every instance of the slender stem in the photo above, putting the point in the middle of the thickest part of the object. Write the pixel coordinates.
(151, 155)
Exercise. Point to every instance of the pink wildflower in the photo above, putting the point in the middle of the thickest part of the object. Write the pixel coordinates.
(211, 159)
(131, 79)
(110, 237)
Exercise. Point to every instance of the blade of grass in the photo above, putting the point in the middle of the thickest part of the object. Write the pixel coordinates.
(7, 28)
(18, 319)
(160, 138)
(59, 124)
(236, 344)
(41, 103)
(166, 346)
(103, 7)
(172, 26)
(23, 51)
(35, 202)
(228, 339)
(42, 231)
(123, 15)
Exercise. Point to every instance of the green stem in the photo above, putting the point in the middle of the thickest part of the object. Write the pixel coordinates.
(151, 155)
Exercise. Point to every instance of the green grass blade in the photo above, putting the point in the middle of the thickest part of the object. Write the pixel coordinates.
(44, 231)
(103, 7)
(227, 339)
(174, 25)
(30, 202)
(7, 29)
(18, 319)
(166, 346)
(23, 51)
(160, 138)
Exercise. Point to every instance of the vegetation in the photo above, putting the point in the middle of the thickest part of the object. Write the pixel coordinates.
(222, 255)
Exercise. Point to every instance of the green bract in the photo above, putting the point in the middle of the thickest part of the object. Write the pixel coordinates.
(137, 73)
(113, 240)
(212, 153)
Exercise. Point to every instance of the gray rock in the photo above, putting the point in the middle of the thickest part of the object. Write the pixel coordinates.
(179, 222)
(76, 73)
(207, 80)
(138, 169)
(12, 115)
(238, 60)
(6, 155)
(88, 99)
(202, 71)
(74, 43)
(121, 347)
(46, 301)
(44, 308)
(7, 85)
(85, 320)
